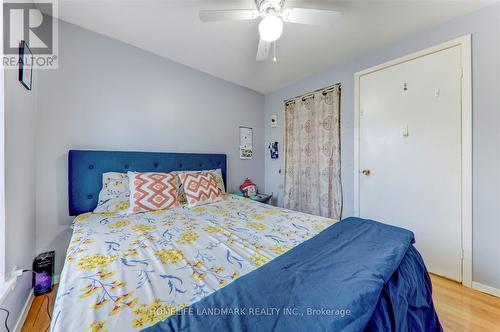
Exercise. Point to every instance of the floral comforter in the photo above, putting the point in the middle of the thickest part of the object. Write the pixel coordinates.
(125, 273)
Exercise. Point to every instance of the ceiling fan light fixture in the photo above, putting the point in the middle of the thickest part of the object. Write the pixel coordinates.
(270, 28)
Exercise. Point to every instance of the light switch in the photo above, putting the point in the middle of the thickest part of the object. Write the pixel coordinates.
(405, 131)
(274, 121)
(437, 92)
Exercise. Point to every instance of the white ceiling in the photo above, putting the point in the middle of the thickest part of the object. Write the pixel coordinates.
(227, 50)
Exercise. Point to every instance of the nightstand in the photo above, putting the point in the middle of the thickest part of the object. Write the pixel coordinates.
(263, 198)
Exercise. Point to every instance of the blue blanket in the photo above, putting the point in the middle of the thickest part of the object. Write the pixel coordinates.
(356, 275)
(405, 303)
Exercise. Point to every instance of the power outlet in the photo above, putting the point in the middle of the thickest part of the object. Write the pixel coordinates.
(16, 273)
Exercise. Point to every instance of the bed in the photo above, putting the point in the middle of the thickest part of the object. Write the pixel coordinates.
(233, 265)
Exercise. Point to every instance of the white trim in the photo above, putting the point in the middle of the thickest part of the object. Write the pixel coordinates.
(6, 286)
(2, 166)
(466, 47)
(357, 79)
(465, 44)
(24, 312)
(486, 289)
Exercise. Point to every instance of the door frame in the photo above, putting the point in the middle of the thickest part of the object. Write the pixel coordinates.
(466, 140)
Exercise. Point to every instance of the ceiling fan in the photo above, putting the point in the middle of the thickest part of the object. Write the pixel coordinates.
(273, 14)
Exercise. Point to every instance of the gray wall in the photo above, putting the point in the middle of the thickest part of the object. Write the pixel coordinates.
(484, 25)
(20, 123)
(111, 96)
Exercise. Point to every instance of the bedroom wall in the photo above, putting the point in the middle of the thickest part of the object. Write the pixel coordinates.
(20, 121)
(108, 95)
(484, 25)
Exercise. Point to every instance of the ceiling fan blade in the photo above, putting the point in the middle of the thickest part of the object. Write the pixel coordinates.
(228, 15)
(263, 50)
(310, 16)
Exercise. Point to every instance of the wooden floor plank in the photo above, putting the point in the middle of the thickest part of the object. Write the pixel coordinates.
(38, 319)
(460, 309)
(463, 309)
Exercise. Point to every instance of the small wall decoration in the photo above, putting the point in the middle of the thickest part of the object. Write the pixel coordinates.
(274, 121)
(246, 147)
(25, 65)
(273, 149)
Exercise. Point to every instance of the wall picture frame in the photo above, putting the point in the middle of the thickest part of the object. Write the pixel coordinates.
(25, 65)
(246, 143)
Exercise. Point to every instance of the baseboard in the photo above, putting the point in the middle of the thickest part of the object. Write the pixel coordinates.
(486, 289)
(24, 312)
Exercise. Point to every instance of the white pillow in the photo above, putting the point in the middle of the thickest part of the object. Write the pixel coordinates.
(115, 193)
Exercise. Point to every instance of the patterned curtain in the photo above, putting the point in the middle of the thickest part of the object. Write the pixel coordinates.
(312, 154)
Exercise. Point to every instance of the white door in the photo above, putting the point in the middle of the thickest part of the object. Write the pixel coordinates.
(410, 147)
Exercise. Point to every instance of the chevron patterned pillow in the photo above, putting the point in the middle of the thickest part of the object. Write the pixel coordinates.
(200, 188)
(152, 191)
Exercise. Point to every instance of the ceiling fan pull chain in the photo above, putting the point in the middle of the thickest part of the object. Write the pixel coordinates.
(274, 59)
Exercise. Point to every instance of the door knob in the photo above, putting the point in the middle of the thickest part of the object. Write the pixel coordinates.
(366, 172)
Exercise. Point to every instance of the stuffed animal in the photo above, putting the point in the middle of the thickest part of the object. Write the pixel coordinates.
(248, 188)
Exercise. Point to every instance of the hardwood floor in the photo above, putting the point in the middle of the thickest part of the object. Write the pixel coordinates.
(38, 319)
(463, 309)
(459, 309)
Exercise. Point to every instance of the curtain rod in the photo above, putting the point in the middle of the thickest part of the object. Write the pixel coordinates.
(311, 94)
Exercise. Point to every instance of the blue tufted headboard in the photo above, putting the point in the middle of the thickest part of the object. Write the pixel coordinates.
(85, 170)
